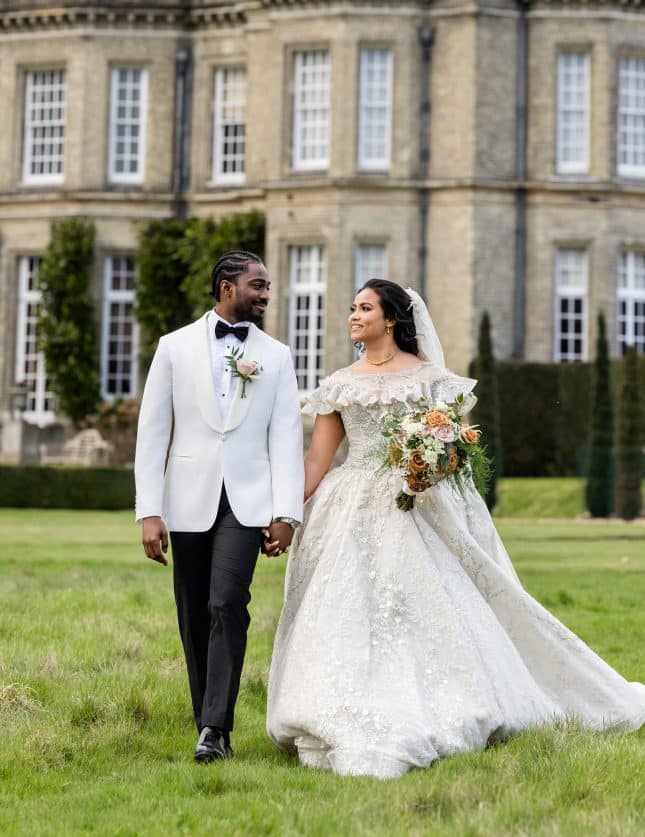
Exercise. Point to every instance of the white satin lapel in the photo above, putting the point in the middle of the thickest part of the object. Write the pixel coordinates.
(240, 406)
(204, 377)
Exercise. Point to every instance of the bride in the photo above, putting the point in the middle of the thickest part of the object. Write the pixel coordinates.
(407, 636)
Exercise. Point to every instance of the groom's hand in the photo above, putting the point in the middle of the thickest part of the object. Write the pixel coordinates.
(277, 538)
(154, 537)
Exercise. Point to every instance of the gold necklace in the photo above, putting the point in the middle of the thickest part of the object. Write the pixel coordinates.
(380, 362)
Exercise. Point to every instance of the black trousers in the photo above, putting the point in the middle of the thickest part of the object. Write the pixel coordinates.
(212, 573)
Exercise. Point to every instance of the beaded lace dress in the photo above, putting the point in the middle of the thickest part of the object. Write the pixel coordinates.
(407, 636)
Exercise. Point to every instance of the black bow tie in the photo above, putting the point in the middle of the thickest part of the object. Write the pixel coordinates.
(222, 329)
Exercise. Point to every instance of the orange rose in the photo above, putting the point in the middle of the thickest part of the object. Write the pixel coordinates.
(469, 435)
(436, 419)
(416, 463)
(417, 485)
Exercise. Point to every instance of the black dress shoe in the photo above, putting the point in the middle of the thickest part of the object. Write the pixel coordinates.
(213, 744)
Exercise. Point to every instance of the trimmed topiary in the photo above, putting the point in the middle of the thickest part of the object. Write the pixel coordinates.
(629, 441)
(599, 492)
(486, 412)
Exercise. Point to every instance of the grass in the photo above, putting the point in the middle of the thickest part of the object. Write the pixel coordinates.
(95, 727)
(542, 498)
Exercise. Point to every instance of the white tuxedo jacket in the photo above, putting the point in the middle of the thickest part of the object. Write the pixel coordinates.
(186, 450)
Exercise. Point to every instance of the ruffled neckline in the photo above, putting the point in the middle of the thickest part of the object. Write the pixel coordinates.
(423, 382)
(410, 370)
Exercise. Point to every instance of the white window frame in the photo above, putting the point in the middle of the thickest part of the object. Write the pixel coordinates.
(632, 111)
(370, 262)
(308, 282)
(573, 117)
(226, 83)
(311, 116)
(375, 114)
(34, 124)
(571, 291)
(121, 296)
(42, 415)
(630, 292)
(130, 177)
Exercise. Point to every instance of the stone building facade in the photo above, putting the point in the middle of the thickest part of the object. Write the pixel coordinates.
(491, 155)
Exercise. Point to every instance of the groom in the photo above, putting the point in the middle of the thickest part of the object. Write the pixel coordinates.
(219, 465)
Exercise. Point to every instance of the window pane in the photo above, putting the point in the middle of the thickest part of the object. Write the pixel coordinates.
(571, 304)
(370, 263)
(375, 105)
(30, 363)
(120, 345)
(229, 131)
(45, 105)
(306, 315)
(631, 116)
(127, 124)
(630, 326)
(573, 112)
(311, 112)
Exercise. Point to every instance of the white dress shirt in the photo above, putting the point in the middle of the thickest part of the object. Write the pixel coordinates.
(222, 373)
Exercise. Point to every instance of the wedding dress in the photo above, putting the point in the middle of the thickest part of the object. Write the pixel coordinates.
(407, 636)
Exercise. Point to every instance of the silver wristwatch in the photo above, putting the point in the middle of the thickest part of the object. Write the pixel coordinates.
(291, 521)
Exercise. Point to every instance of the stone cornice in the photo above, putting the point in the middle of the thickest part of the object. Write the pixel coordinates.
(25, 16)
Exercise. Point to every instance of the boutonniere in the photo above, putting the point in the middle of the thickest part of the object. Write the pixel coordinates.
(246, 370)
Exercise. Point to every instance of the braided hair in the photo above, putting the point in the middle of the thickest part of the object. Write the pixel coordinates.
(231, 265)
(397, 306)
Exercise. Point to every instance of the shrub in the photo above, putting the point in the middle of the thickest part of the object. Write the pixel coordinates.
(54, 487)
(174, 264)
(162, 305)
(67, 332)
(599, 492)
(116, 421)
(629, 442)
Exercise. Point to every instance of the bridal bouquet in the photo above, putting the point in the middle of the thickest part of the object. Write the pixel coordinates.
(430, 443)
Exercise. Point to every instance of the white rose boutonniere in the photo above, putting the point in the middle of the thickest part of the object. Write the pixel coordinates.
(246, 370)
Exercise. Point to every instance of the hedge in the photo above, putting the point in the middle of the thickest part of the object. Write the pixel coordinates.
(58, 487)
(545, 415)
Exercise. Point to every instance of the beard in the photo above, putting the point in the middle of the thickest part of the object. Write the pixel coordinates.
(246, 313)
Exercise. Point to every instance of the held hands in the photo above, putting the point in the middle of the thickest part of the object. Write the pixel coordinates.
(277, 538)
(154, 537)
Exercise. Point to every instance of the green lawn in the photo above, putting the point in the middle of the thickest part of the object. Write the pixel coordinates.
(95, 727)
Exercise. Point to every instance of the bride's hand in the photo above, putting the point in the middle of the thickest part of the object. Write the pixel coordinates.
(277, 538)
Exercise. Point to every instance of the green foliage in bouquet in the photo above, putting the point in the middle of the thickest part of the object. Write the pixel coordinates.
(629, 442)
(599, 493)
(67, 331)
(430, 443)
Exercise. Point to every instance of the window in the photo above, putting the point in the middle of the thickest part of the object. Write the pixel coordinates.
(573, 113)
(307, 313)
(311, 111)
(571, 305)
(229, 128)
(631, 302)
(370, 263)
(631, 117)
(44, 150)
(30, 363)
(375, 109)
(120, 334)
(128, 109)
